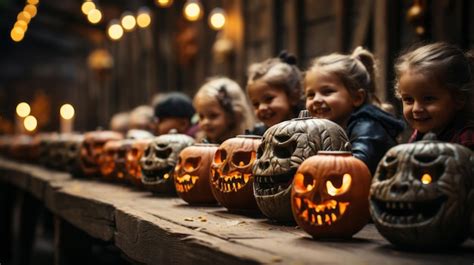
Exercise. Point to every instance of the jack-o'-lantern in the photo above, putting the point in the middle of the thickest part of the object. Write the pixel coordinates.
(159, 160)
(91, 149)
(121, 159)
(330, 195)
(132, 162)
(107, 159)
(284, 147)
(231, 172)
(422, 195)
(191, 174)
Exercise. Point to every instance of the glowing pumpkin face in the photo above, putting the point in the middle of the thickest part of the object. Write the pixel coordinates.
(159, 160)
(107, 159)
(284, 147)
(231, 172)
(422, 195)
(330, 195)
(132, 162)
(92, 148)
(191, 175)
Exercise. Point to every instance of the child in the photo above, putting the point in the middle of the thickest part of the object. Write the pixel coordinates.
(435, 84)
(275, 90)
(341, 88)
(223, 110)
(174, 111)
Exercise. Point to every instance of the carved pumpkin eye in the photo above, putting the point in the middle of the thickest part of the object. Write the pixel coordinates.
(426, 168)
(388, 167)
(191, 164)
(303, 183)
(242, 159)
(220, 156)
(340, 186)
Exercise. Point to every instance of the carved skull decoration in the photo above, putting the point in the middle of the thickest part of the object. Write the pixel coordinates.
(159, 160)
(132, 162)
(284, 147)
(191, 174)
(422, 195)
(330, 195)
(92, 147)
(107, 159)
(231, 172)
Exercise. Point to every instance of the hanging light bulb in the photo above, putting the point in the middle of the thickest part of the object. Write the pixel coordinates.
(128, 21)
(94, 16)
(115, 31)
(217, 18)
(143, 18)
(87, 7)
(164, 3)
(192, 10)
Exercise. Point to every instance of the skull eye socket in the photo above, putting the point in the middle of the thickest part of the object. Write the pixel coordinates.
(163, 153)
(260, 149)
(282, 138)
(338, 185)
(303, 183)
(191, 164)
(429, 174)
(147, 151)
(243, 159)
(387, 167)
(424, 158)
(220, 156)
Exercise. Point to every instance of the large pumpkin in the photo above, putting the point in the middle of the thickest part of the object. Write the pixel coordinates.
(284, 147)
(330, 195)
(422, 195)
(191, 175)
(132, 162)
(159, 160)
(91, 150)
(231, 172)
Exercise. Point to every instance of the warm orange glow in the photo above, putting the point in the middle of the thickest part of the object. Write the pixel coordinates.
(94, 16)
(87, 7)
(143, 18)
(128, 21)
(30, 123)
(164, 3)
(21, 24)
(17, 34)
(23, 109)
(217, 19)
(32, 2)
(426, 179)
(192, 10)
(346, 183)
(31, 9)
(25, 16)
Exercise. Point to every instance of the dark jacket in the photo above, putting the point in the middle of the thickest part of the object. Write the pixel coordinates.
(372, 132)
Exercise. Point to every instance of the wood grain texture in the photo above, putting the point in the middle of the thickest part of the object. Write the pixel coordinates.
(164, 230)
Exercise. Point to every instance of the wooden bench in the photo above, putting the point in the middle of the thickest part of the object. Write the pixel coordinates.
(163, 230)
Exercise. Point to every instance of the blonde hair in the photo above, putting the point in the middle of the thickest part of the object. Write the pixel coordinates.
(280, 72)
(232, 99)
(444, 62)
(357, 70)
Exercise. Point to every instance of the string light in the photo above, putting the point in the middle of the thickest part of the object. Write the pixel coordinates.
(17, 34)
(217, 18)
(30, 9)
(164, 3)
(115, 31)
(192, 10)
(30, 123)
(94, 16)
(25, 16)
(33, 2)
(128, 21)
(87, 7)
(66, 111)
(143, 18)
(21, 24)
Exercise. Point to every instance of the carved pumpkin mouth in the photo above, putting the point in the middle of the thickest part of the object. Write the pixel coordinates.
(229, 183)
(271, 185)
(325, 213)
(185, 183)
(407, 213)
(156, 176)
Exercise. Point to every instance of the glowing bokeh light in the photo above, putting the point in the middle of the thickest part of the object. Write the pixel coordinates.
(94, 16)
(30, 123)
(87, 7)
(192, 10)
(23, 109)
(217, 19)
(66, 111)
(115, 31)
(128, 21)
(143, 18)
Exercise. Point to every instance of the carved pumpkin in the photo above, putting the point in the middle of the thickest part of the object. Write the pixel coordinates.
(121, 159)
(132, 162)
(330, 195)
(107, 159)
(159, 160)
(284, 147)
(191, 174)
(231, 172)
(422, 195)
(91, 150)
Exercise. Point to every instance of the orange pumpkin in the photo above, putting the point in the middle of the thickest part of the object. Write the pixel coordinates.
(330, 192)
(132, 161)
(107, 159)
(231, 172)
(91, 150)
(191, 175)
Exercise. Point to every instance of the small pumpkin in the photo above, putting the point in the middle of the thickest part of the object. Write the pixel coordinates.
(231, 172)
(107, 159)
(132, 162)
(330, 194)
(159, 160)
(121, 159)
(191, 174)
(422, 195)
(91, 150)
(284, 147)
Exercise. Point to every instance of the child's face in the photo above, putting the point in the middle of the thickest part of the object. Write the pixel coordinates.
(271, 105)
(328, 98)
(165, 125)
(212, 119)
(427, 106)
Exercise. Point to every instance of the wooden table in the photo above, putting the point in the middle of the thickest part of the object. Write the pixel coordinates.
(160, 230)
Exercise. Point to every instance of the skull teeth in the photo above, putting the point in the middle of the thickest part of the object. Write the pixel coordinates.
(185, 183)
(320, 214)
(230, 183)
